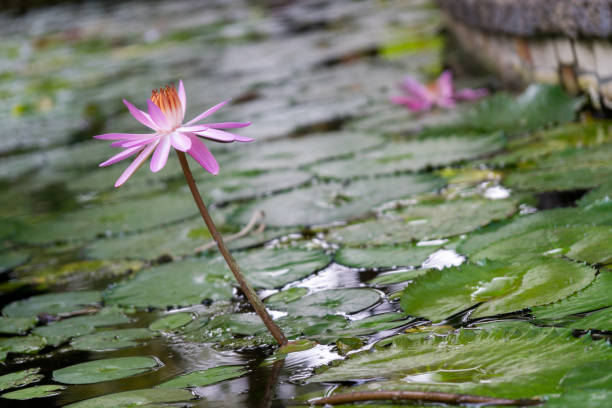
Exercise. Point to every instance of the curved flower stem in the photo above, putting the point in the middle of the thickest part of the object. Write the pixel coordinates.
(444, 397)
(231, 262)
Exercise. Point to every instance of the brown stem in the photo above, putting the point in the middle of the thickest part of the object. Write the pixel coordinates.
(443, 397)
(231, 262)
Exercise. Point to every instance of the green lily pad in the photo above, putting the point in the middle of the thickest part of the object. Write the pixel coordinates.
(501, 288)
(333, 301)
(292, 153)
(112, 218)
(538, 106)
(52, 303)
(424, 221)
(600, 320)
(590, 244)
(391, 278)
(325, 203)
(105, 370)
(56, 333)
(284, 297)
(17, 325)
(592, 398)
(190, 281)
(401, 156)
(21, 344)
(589, 376)
(171, 322)
(20, 378)
(38, 391)
(111, 339)
(593, 297)
(384, 256)
(134, 398)
(602, 194)
(11, 259)
(512, 362)
(204, 377)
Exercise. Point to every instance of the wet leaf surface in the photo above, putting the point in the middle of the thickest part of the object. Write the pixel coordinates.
(204, 377)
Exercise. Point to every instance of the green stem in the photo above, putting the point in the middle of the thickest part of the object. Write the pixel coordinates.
(250, 293)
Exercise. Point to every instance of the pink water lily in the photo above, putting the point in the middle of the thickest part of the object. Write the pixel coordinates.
(420, 97)
(166, 111)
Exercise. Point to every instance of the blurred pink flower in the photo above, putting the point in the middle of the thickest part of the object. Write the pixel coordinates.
(166, 113)
(420, 97)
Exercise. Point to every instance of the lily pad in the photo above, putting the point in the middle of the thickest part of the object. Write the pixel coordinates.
(20, 378)
(513, 362)
(593, 297)
(536, 107)
(384, 256)
(592, 398)
(496, 287)
(190, 281)
(134, 398)
(284, 297)
(428, 220)
(292, 153)
(17, 325)
(590, 244)
(111, 339)
(391, 278)
(52, 304)
(21, 344)
(11, 259)
(171, 322)
(105, 370)
(325, 203)
(38, 391)
(333, 301)
(402, 156)
(599, 320)
(204, 377)
(55, 333)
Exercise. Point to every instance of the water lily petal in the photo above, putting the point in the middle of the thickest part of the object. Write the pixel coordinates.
(228, 125)
(135, 164)
(415, 105)
(217, 135)
(207, 112)
(134, 142)
(140, 116)
(121, 156)
(182, 98)
(192, 129)
(157, 115)
(202, 155)
(160, 157)
(116, 136)
(471, 94)
(444, 85)
(180, 141)
(446, 102)
(415, 89)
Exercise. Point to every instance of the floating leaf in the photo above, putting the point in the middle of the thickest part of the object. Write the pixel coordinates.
(134, 398)
(171, 322)
(590, 376)
(429, 220)
(501, 288)
(104, 370)
(516, 362)
(38, 391)
(17, 325)
(590, 244)
(285, 296)
(190, 281)
(600, 320)
(55, 333)
(21, 344)
(394, 277)
(384, 256)
(593, 297)
(325, 203)
(333, 301)
(204, 377)
(592, 398)
(52, 304)
(111, 340)
(20, 378)
(538, 106)
(11, 259)
(400, 156)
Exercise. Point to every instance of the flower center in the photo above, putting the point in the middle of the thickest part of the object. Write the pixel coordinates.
(168, 101)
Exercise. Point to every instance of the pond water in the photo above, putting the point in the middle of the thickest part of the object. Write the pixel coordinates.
(462, 250)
